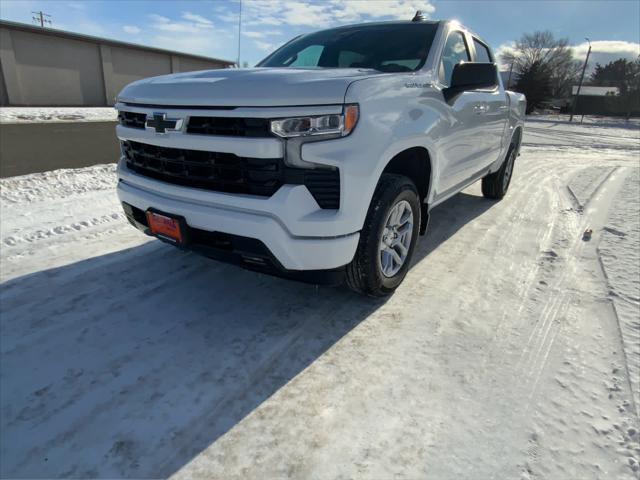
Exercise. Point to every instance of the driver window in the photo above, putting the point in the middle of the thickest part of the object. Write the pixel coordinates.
(454, 52)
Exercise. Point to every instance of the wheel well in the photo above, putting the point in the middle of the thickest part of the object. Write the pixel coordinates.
(415, 164)
(517, 137)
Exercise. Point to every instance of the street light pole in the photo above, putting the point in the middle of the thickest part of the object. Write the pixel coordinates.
(239, 30)
(584, 68)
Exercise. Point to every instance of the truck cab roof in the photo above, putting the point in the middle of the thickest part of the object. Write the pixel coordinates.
(443, 22)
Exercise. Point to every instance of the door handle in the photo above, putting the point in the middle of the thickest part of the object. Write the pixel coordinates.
(480, 108)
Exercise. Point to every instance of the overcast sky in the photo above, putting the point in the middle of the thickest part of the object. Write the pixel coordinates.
(210, 27)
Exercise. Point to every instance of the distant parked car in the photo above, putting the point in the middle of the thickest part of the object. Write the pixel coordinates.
(322, 163)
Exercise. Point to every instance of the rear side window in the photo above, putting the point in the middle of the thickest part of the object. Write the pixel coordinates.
(482, 52)
(455, 51)
(348, 59)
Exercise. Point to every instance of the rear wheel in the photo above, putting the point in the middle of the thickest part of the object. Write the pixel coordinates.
(388, 238)
(495, 185)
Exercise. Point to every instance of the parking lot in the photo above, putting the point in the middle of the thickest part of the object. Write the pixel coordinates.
(510, 351)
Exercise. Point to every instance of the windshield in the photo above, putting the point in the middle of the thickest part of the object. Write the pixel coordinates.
(383, 47)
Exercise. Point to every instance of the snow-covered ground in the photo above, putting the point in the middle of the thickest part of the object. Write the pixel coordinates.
(511, 351)
(57, 114)
(587, 120)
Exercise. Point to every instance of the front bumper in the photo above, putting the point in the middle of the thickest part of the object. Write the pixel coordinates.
(248, 253)
(245, 216)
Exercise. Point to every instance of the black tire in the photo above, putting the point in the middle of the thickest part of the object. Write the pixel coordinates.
(364, 273)
(495, 185)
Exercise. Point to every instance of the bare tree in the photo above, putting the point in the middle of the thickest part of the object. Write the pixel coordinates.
(540, 48)
(549, 58)
(563, 77)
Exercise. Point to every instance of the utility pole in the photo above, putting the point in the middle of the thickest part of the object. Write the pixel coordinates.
(239, 31)
(39, 17)
(584, 68)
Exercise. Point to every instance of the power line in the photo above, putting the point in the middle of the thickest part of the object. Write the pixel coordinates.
(39, 17)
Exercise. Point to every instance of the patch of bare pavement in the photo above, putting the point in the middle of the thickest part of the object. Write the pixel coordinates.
(511, 350)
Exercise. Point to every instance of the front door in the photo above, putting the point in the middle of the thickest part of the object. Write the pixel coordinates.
(464, 121)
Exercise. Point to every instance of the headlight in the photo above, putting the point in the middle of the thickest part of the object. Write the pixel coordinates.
(336, 124)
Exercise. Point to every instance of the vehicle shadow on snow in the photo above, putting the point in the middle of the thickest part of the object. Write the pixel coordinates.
(132, 363)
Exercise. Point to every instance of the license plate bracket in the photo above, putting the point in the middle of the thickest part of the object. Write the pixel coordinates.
(168, 227)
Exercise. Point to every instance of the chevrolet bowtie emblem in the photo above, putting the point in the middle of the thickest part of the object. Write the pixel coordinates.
(160, 123)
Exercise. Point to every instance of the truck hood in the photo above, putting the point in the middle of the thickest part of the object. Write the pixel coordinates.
(255, 87)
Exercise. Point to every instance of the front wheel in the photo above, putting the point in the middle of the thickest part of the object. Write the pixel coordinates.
(388, 238)
(495, 185)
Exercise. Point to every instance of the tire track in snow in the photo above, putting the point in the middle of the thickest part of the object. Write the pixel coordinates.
(617, 249)
(546, 331)
(75, 227)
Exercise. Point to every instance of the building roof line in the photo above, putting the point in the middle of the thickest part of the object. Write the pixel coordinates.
(90, 38)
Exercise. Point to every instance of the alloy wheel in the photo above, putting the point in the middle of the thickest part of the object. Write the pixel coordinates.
(396, 238)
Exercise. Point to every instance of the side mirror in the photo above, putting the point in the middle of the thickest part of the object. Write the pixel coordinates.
(471, 76)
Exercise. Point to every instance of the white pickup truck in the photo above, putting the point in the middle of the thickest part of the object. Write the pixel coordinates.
(322, 163)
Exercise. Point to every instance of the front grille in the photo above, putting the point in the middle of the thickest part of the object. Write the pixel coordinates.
(226, 172)
(229, 126)
(221, 172)
(132, 119)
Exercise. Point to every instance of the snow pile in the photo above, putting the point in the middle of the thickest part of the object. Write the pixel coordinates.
(57, 114)
(56, 184)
